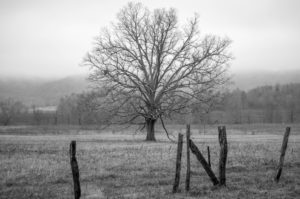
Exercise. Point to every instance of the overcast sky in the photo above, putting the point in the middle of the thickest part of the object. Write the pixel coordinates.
(49, 38)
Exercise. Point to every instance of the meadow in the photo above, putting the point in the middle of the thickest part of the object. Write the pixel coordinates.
(118, 163)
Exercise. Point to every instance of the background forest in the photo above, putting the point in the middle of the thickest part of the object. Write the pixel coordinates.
(264, 104)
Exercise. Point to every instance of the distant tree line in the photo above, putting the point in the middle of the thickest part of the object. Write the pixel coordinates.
(266, 104)
(11, 110)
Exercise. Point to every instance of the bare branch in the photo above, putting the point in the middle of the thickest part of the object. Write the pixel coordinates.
(151, 67)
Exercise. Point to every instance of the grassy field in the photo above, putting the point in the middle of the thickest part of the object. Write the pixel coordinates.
(34, 163)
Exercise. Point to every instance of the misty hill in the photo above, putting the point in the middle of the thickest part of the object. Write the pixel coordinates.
(250, 80)
(41, 92)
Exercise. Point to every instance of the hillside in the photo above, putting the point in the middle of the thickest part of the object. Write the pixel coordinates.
(41, 92)
(250, 80)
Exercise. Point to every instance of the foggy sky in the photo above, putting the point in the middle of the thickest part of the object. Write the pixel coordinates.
(49, 38)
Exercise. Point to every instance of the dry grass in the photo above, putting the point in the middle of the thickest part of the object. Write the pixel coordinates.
(121, 165)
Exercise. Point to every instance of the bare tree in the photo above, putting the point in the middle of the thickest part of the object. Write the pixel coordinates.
(37, 115)
(152, 68)
(9, 109)
(205, 109)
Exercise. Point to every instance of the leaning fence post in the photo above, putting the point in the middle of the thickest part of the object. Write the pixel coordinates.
(178, 163)
(223, 154)
(188, 163)
(283, 149)
(202, 160)
(75, 170)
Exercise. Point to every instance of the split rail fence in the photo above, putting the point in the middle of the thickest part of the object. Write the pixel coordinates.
(191, 146)
(221, 181)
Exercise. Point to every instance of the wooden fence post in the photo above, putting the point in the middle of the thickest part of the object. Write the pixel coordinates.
(283, 149)
(188, 163)
(202, 160)
(75, 170)
(223, 154)
(178, 163)
(208, 156)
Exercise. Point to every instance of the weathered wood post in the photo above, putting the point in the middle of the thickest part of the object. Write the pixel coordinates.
(188, 163)
(202, 160)
(283, 149)
(208, 156)
(178, 163)
(223, 154)
(75, 170)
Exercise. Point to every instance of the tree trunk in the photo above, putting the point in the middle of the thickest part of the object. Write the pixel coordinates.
(292, 116)
(6, 121)
(150, 123)
(79, 120)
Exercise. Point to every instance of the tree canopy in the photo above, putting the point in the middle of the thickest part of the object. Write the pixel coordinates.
(151, 67)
